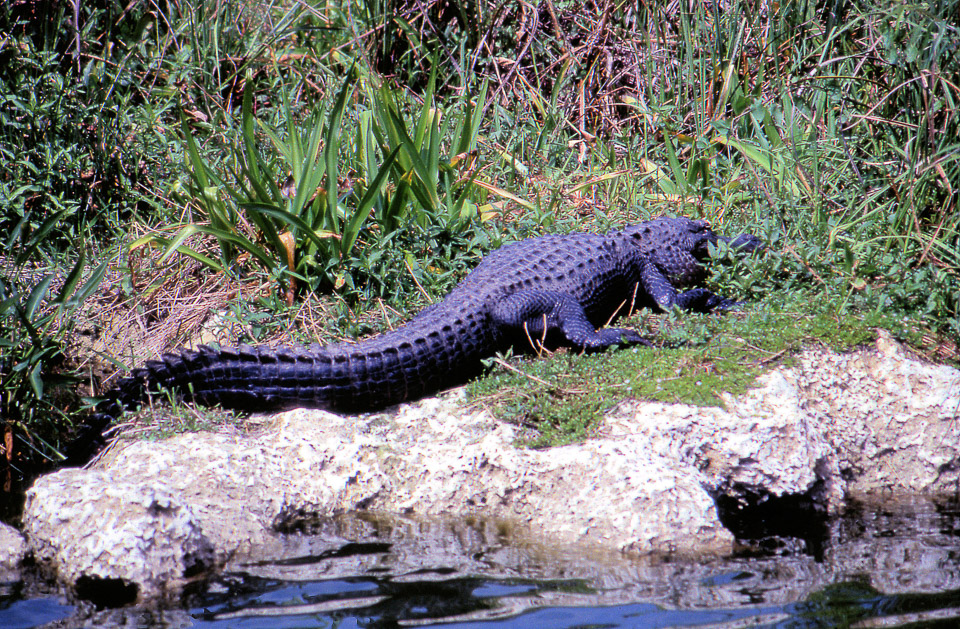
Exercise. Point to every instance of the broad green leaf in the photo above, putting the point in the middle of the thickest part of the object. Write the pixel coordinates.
(766, 160)
(193, 153)
(73, 278)
(36, 296)
(332, 148)
(187, 251)
(37, 236)
(678, 178)
(36, 380)
(92, 283)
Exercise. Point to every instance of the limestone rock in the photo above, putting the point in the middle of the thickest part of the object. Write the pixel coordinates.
(763, 441)
(13, 548)
(431, 460)
(893, 422)
(100, 525)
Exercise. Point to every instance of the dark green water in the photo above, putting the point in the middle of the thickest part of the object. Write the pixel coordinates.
(890, 566)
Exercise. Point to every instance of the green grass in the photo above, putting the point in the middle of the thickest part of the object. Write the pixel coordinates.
(411, 146)
(174, 417)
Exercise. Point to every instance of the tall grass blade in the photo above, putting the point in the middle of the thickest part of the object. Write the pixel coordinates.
(373, 193)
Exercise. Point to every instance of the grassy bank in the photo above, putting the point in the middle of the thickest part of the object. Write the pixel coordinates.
(323, 169)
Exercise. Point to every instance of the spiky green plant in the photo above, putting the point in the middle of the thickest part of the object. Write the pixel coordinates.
(401, 173)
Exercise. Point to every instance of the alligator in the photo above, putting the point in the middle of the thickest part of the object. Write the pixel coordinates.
(548, 290)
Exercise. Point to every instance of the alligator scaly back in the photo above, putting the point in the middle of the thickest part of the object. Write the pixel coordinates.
(553, 289)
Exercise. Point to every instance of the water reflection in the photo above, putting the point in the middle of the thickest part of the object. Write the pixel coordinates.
(896, 563)
(460, 602)
(879, 566)
(21, 614)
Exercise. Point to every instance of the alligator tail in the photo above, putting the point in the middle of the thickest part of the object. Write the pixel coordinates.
(241, 378)
(347, 377)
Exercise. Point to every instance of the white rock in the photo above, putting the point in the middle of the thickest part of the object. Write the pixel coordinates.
(13, 548)
(140, 533)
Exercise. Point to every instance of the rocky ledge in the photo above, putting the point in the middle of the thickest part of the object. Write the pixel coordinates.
(660, 478)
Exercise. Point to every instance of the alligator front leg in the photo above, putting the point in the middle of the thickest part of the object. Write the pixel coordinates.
(659, 287)
(536, 313)
(702, 300)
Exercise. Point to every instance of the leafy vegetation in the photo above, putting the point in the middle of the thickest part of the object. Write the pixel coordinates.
(35, 324)
(327, 157)
(397, 174)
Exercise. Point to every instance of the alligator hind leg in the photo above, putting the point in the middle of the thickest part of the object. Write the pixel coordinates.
(537, 313)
